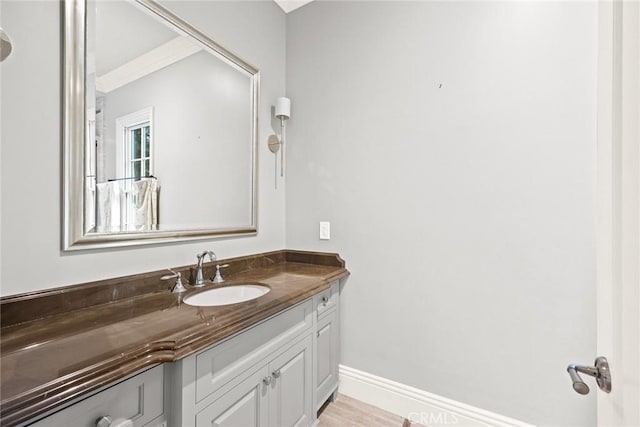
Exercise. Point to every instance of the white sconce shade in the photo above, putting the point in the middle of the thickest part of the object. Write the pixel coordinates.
(283, 108)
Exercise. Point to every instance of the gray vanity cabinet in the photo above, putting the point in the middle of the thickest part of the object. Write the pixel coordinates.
(284, 389)
(273, 374)
(327, 342)
(275, 395)
(262, 376)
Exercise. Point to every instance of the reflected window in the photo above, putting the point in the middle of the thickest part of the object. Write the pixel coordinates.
(135, 145)
(138, 149)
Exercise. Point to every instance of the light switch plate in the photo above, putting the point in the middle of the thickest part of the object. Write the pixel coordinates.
(325, 230)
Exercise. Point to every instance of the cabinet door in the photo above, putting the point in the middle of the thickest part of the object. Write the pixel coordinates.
(290, 400)
(326, 358)
(243, 406)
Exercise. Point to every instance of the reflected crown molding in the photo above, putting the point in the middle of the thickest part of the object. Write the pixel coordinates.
(164, 55)
(291, 5)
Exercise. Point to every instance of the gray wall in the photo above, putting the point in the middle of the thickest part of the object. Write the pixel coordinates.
(452, 147)
(31, 141)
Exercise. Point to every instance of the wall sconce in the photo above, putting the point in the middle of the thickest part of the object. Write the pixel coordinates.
(282, 111)
(5, 45)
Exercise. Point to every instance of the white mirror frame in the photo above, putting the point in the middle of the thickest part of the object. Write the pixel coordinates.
(74, 235)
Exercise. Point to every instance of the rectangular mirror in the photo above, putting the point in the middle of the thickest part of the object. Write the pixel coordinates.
(160, 129)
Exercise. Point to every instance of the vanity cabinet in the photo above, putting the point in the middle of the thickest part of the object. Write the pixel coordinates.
(139, 399)
(327, 342)
(275, 395)
(260, 377)
(276, 373)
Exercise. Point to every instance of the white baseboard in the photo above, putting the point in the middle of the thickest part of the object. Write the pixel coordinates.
(417, 405)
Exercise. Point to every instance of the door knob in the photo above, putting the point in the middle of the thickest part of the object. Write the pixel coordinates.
(104, 421)
(600, 372)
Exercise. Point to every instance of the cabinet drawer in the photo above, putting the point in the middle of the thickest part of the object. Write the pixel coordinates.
(139, 399)
(327, 299)
(218, 365)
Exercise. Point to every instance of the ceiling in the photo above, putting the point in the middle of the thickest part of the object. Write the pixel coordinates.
(291, 5)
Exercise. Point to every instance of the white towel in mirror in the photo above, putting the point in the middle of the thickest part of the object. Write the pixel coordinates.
(144, 198)
(108, 207)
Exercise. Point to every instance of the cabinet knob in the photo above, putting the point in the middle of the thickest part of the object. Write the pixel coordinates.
(104, 421)
(325, 299)
(267, 380)
(276, 373)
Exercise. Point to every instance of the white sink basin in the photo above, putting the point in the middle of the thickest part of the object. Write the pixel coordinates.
(227, 295)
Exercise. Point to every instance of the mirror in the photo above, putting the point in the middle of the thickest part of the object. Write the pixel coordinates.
(160, 129)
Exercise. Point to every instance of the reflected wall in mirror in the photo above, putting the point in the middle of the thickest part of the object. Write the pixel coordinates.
(160, 129)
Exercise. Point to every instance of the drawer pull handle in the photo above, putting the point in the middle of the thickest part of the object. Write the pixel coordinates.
(325, 300)
(276, 373)
(104, 421)
(267, 380)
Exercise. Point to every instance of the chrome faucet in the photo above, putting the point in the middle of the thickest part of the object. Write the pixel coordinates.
(199, 278)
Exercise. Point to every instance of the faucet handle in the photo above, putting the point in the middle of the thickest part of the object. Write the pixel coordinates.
(218, 277)
(178, 287)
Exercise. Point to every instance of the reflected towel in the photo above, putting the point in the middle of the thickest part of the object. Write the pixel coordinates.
(108, 215)
(145, 203)
(90, 203)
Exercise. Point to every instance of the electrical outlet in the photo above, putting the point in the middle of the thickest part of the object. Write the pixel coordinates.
(325, 230)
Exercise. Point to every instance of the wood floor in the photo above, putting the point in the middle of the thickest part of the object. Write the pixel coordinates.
(346, 411)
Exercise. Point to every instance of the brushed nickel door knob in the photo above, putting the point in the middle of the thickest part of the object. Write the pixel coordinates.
(600, 372)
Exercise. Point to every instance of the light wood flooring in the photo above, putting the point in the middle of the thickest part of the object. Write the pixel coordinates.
(349, 412)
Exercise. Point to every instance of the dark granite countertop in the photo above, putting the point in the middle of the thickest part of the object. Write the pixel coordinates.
(58, 344)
